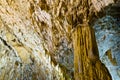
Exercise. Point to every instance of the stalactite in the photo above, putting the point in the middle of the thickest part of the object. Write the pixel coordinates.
(86, 58)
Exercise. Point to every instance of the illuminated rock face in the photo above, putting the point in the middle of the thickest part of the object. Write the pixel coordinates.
(36, 40)
(22, 49)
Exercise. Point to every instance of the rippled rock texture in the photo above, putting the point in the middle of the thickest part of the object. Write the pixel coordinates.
(36, 40)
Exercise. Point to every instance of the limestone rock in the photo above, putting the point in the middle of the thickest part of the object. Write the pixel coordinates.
(108, 38)
(36, 37)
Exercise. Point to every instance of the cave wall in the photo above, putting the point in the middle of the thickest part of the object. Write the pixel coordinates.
(35, 37)
(108, 39)
(22, 50)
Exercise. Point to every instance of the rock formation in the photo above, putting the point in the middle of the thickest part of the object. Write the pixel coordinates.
(52, 39)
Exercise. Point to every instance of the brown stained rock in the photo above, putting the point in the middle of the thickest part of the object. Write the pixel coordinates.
(112, 60)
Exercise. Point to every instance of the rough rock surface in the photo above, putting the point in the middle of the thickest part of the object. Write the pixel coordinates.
(35, 38)
(108, 39)
(22, 52)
